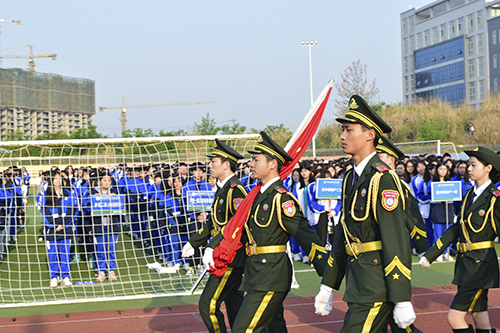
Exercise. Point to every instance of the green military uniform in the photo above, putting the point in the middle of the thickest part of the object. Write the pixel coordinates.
(225, 288)
(372, 249)
(476, 266)
(274, 216)
(413, 220)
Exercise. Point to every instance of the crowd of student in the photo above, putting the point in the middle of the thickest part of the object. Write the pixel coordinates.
(157, 215)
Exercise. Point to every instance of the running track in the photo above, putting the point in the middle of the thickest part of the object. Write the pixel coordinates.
(431, 305)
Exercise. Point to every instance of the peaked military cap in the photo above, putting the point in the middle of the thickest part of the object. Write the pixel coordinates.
(361, 113)
(223, 150)
(386, 146)
(486, 155)
(267, 146)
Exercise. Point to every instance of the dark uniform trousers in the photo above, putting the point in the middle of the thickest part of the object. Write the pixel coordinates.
(275, 215)
(367, 317)
(225, 288)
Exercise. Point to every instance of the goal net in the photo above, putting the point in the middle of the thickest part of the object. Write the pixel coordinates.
(135, 251)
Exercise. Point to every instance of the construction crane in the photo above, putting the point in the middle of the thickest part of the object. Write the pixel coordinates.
(123, 114)
(31, 62)
(11, 21)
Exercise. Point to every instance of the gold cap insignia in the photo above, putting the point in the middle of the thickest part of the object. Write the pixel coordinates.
(476, 149)
(380, 141)
(353, 104)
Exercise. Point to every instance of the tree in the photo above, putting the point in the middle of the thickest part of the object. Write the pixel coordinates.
(279, 133)
(354, 82)
(138, 133)
(234, 129)
(60, 135)
(179, 132)
(14, 136)
(86, 133)
(207, 126)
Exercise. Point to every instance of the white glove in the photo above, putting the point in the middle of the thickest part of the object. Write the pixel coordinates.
(208, 258)
(404, 315)
(424, 262)
(187, 250)
(323, 302)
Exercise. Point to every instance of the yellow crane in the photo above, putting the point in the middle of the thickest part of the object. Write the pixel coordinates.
(123, 114)
(11, 21)
(31, 62)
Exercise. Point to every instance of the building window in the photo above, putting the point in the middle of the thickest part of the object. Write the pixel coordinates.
(442, 32)
(406, 83)
(495, 84)
(419, 40)
(405, 29)
(411, 64)
(470, 45)
(405, 64)
(427, 37)
(470, 23)
(472, 91)
(472, 70)
(460, 26)
(479, 19)
(480, 66)
(481, 89)
(451, 29)
(480, 43)
(495, 60)
(410, 24)
(405, 45)
(434, 35)
(412, 43)
(494, 36)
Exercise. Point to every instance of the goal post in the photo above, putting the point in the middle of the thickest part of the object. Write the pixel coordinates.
(25, 277)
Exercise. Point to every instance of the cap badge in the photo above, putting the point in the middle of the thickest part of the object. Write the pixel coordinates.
(476, 149)
(380, 141)
(353, 104)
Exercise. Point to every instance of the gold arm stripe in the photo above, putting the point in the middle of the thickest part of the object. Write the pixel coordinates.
(213, 301)
(362, 117)
(260, 311)
(270, 151)
(367, 327)
(474, 301)
(402, 268)
(222, 154)
(418, 231)
(314, 248)
(439, 243)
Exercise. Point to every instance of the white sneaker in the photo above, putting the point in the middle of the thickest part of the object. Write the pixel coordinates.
(440, 258)
(66, 282)
(177, 266)
(53, 283)
(297, 257)
(190, 271)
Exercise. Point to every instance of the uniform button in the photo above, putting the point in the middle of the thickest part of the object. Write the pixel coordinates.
(352, 260)
(478, 261)
(361, 208)
(264, 261)
(251, 217)
(375, 261)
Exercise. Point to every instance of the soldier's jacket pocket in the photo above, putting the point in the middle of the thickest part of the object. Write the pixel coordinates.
(476, 256)
(372, 258)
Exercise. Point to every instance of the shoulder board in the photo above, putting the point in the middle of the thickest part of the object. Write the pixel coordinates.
(281, 190)
(381, 167)
(496, 193)
(234, 185)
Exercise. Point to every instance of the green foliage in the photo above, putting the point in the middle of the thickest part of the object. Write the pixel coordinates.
(138, 133)
(208, 126)
(14, 136)
(234, 129)
(431, 130)
(279, 133)
(179, 132)
(90, 133)
(60, 135)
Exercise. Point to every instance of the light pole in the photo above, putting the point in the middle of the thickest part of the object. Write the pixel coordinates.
(309, 44)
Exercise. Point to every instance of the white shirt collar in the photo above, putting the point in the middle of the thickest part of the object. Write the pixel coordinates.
(269, 183)
(221, 184)
(478, 191)
(361, 166)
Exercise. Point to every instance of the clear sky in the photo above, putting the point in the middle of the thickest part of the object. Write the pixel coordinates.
(246, 55)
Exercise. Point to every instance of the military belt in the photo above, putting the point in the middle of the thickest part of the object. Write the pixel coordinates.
(466, 247)
(359, 248)
(256, 250)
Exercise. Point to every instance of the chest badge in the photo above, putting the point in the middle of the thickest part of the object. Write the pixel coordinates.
(481, 212)
(221, 201)
(265, 207)
(363, 192)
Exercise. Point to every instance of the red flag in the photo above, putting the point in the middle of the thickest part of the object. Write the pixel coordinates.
(225, 252)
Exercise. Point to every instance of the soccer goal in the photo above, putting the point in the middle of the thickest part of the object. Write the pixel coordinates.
(146, 252)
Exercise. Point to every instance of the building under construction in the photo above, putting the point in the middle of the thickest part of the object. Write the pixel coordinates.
(37, 103)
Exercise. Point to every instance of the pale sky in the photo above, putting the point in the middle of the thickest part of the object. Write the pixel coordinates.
(246, 55)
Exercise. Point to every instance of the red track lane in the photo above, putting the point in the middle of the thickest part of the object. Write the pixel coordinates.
(431, 305)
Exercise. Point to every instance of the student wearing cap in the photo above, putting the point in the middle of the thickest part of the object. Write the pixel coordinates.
(372, 249)
(476, 267)
(274, 216)
(230, 193)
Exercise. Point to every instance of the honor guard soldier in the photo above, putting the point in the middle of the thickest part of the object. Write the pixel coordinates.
(372, 249)
(476, 268)
(415, 225)
(230, 193)
(274, 216)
